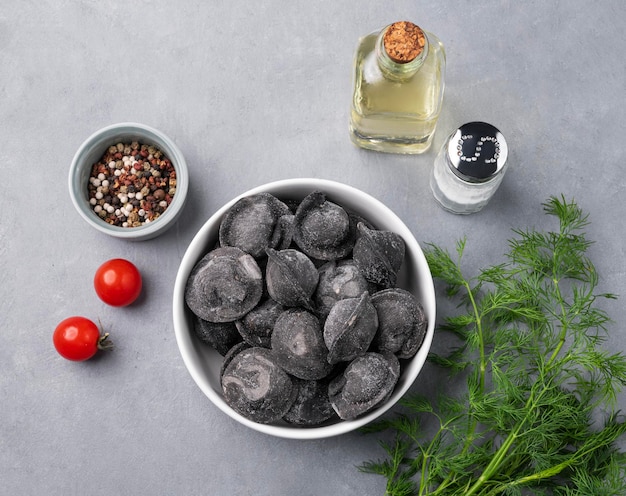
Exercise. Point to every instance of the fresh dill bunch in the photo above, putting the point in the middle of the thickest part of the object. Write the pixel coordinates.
(538, 413)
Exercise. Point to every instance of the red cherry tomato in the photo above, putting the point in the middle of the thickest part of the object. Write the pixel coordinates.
(78, 339)
(117, 282)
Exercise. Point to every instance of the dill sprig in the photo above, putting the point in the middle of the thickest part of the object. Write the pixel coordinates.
(538, 413)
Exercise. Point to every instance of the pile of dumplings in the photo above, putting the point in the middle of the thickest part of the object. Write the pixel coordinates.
(301, 301)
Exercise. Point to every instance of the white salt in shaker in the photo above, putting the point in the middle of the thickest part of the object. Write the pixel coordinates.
(469, 168)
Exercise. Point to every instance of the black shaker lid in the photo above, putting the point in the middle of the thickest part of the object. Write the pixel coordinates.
(477, 151)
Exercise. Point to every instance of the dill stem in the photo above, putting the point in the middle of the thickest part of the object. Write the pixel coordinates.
(481, 339)
(396, 462)
(548, 472)
(503, 450)
(564, 327)
(481, 381)
(424, 486)
(495, 462)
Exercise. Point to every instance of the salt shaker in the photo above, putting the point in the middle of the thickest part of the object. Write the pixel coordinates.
(469, 168)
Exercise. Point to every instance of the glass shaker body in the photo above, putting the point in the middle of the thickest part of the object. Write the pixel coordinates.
(469, 168)
(395, 106)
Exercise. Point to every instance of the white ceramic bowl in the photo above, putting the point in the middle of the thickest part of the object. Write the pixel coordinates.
(92, 150)
(204, 363)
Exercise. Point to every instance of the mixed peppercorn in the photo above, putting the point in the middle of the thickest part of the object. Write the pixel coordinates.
(132, 184)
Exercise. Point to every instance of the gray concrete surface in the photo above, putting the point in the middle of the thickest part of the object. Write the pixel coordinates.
(254, 92)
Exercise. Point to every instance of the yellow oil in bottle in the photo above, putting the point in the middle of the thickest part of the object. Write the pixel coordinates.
(395, 106)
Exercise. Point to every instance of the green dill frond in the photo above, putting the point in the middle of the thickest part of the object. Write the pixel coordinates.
(453, 361)
(443, 267)
(458, 324)
(417, 403)
(529, 335)
(570, 215)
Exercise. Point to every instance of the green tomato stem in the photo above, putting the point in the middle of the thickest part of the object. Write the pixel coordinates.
(104, 343)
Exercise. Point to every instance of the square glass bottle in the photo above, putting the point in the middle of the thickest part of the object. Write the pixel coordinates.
(399, 76)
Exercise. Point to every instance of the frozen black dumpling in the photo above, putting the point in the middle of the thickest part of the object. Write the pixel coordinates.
(256, 387)
(350, 328)
(379, 255)
(312, 404)
(401, 322)
(283, 233)
(322, 229)
(232, 353)
(338, 281)
(224, 285)
(367, 382)
(291, 278)
(220, 335)
(250, 224)
(298, 345)
(257, 325)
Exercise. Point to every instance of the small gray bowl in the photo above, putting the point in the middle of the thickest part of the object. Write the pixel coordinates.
(91, 151)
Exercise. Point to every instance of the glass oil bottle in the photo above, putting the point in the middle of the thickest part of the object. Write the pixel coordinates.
(399, 77)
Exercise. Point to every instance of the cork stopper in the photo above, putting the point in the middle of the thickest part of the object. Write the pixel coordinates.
(404, 41)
